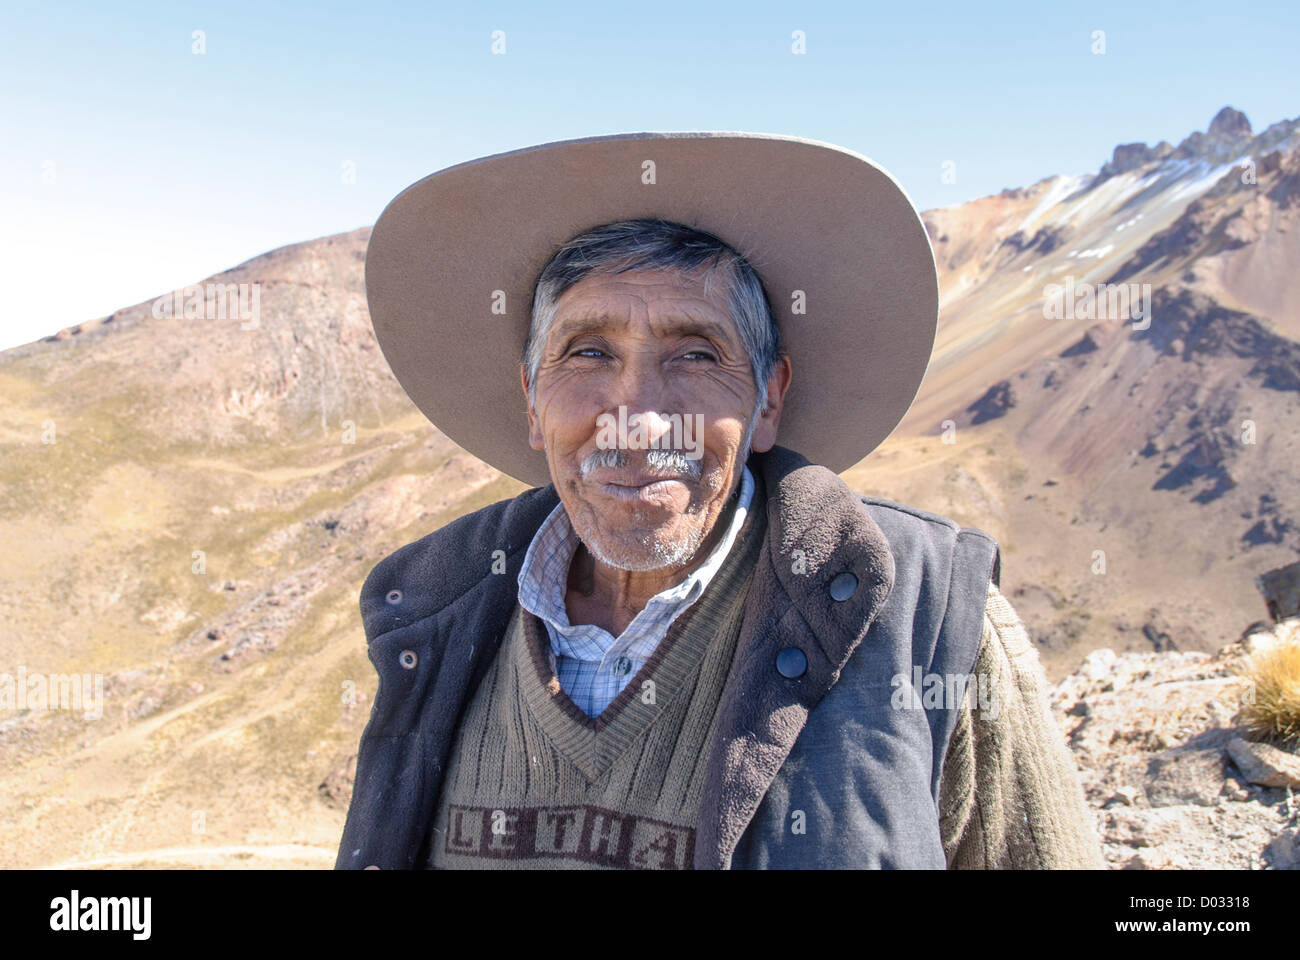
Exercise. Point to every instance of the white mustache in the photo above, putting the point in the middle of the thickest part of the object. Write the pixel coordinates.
(668, 463)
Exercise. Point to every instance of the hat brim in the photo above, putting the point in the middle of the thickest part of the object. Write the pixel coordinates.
(453, 260)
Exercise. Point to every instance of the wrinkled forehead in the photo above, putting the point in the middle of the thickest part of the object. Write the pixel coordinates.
(673, 303)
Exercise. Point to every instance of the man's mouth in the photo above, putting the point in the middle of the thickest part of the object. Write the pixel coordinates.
(638, 486)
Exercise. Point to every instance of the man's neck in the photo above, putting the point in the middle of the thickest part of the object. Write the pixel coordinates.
(610, 598)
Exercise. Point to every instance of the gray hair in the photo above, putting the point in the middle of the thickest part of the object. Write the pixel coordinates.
(650, 244)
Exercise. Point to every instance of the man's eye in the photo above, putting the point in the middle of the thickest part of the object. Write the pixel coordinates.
(583, 351)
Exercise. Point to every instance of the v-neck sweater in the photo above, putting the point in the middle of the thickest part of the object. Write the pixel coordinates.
(533, 782)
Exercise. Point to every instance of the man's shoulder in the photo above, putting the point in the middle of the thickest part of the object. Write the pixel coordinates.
(417, 580)
(905, 524)
(904, 515)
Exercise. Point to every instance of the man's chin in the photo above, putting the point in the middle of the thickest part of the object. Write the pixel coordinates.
(636, 556)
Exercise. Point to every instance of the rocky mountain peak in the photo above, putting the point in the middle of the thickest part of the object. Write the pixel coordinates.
(1130, 156)
(1229, 124)
(1229, 133)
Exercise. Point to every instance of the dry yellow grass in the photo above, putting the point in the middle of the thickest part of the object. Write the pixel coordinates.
(1275, 710)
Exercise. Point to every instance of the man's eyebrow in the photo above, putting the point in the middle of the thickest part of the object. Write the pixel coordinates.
(680, 325)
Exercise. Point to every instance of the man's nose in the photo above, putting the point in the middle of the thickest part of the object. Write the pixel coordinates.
(642, 389)
(641, 386)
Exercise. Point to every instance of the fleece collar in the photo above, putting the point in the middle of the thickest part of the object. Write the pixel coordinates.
(819, 533)
(819, 529)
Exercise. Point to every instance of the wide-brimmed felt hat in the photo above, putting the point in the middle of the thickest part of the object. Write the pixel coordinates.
(843, 256)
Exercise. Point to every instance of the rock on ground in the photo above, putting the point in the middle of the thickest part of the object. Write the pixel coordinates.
(1172, 781)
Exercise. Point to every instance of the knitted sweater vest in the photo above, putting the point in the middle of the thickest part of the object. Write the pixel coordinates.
(533, 782)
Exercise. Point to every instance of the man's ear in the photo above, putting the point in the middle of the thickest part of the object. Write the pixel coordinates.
(764, 436)
(534, 428)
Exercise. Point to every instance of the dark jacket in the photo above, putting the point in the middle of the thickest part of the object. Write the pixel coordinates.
(816, 770)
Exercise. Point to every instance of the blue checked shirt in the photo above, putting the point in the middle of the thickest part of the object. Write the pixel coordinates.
(592, 665)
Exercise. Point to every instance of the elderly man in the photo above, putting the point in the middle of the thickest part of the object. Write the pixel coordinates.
(693, 647)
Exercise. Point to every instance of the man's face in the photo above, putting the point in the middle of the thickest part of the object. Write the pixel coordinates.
(652, 342)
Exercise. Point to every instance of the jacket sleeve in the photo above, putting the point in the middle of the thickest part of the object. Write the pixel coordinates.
(1010, 796)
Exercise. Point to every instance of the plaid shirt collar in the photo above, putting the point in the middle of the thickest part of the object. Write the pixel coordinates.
(543, 581)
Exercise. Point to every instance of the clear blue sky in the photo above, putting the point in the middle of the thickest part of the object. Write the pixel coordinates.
(168, 166)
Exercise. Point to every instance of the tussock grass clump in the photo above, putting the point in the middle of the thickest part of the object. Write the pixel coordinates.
(1274, 712)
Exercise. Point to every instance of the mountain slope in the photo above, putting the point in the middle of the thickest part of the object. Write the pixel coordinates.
(1164, 452)
(227, 673)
